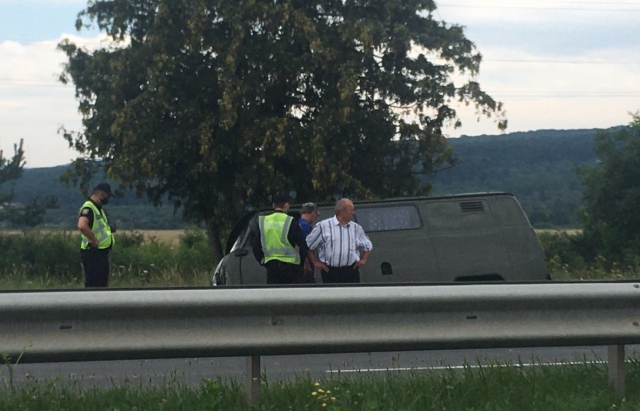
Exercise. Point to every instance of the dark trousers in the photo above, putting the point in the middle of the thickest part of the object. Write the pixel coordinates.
(341, 275)
(96, 267)
(279, 272)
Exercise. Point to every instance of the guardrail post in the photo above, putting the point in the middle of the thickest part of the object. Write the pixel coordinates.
(252, 384)
(615, 356)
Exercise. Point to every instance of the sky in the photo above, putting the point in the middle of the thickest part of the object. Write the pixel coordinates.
(556, 64)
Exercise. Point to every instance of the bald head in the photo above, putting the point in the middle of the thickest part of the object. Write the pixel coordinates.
(345, 210)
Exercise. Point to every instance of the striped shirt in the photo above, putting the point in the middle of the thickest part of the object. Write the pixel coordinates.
(337, 245)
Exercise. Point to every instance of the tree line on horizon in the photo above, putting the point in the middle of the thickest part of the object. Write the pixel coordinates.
(537, 167)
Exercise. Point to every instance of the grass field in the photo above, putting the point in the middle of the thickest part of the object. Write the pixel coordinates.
(489, 388)
(570, 231)
(162, 236)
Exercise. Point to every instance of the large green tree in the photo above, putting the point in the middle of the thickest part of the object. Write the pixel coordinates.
(610, 217)
(214, 105)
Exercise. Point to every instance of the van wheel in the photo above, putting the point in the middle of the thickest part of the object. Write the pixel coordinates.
(480, 278)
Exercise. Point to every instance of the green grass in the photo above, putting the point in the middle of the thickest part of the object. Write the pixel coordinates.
(51, 260)
(121, 277)
(488, 388)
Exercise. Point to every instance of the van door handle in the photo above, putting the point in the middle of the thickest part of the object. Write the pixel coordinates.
(240, 252)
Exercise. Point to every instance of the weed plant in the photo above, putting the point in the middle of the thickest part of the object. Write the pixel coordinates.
(51, 259)
(567, 257)
(496, 387)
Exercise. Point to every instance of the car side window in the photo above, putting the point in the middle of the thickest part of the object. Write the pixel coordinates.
(397, 217)
(240, 241)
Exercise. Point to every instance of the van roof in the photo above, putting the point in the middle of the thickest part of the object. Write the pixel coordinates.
(418, 198)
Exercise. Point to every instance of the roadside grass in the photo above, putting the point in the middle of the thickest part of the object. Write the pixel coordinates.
(152, 258)
(568, 231)
(494, 387)
(49, 259)
(121, 277)
(162, 236)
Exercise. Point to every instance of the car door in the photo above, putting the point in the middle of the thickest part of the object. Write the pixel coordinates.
(401, 250)
(239, 265)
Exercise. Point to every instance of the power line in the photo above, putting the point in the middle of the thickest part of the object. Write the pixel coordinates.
(610, 3)
(539, 8)
(20, 84)
(633, 3)
(594, 62)
(556, 95)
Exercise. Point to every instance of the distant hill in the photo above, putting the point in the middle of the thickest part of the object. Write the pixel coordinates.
(128, 212)
(536, 166)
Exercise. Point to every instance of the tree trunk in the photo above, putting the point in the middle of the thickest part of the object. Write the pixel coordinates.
(214, 239)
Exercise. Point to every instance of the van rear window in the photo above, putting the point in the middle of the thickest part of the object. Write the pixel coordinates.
(400, 217)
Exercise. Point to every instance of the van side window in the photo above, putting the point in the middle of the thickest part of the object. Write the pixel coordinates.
(400, 217)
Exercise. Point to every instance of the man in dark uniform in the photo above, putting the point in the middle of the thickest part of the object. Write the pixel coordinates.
(309, 213)
(97, 237)
(279, 245)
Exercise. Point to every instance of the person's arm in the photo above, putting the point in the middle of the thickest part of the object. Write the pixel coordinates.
(314, 240)
(363, 259)
(316, 262)
(297, 238)
(85, 228)
(362, 243)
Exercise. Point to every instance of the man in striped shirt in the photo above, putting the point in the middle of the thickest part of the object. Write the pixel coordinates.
(339, 246)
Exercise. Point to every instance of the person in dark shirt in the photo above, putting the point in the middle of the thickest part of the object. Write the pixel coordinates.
(282, 258)
(309, 213)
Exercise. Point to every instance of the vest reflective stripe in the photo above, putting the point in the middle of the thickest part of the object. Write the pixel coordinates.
(100, 228)
(273, 236)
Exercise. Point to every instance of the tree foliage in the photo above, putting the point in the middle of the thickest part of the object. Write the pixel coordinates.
(610, 217)
(20, 215)
(215, 105)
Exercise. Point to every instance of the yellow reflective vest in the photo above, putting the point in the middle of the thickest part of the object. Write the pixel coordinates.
(100, 228)
(273, 235)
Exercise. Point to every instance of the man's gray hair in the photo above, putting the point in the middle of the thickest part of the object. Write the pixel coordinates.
(341, 205)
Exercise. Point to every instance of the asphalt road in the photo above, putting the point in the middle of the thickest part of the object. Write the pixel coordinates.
(193, 370)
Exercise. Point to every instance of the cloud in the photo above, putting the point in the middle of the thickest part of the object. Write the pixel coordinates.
(546, 93)
(551, 67)
(34, 105)
(55, 2)
(556, 28)
(553, 64)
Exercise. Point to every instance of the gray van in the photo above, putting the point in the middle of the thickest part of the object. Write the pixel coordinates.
(467, 237)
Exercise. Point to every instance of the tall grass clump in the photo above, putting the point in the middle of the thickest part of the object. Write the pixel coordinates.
(569, 257)
(39, 258)
(51, 259)
(496, 387)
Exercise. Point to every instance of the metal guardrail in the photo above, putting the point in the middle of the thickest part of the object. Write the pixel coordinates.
(178, 323)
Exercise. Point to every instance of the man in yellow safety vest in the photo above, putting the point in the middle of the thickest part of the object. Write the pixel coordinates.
(279, 244)
(97, 237)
